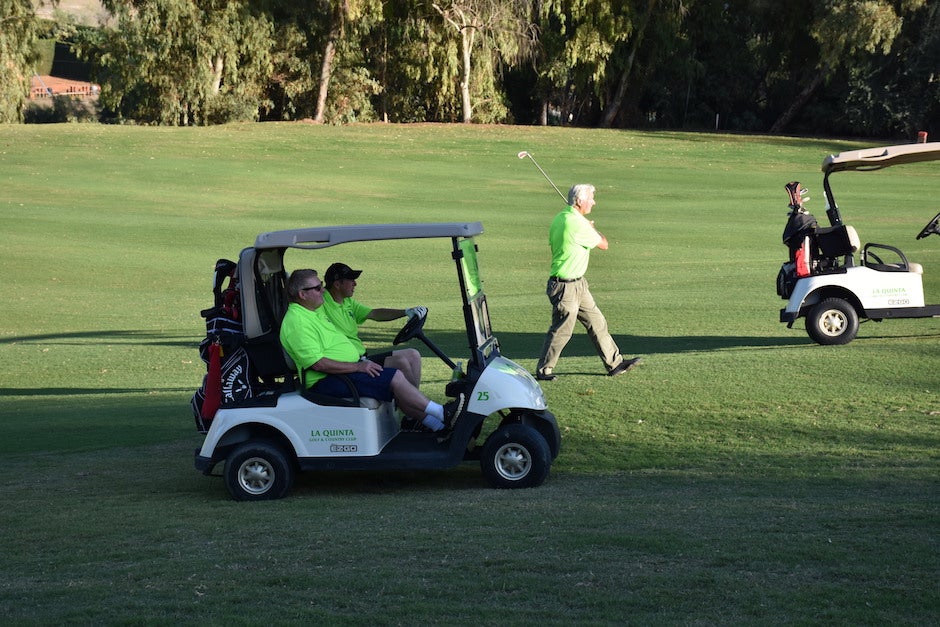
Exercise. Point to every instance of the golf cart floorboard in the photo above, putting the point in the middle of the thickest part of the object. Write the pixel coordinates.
(930, 311)
(409, 450)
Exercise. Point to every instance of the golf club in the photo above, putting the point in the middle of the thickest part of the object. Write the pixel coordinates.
(524, 154)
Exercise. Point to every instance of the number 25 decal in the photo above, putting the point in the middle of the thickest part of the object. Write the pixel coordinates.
(483, 396)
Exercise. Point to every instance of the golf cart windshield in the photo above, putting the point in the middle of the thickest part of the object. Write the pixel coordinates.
(479, 332)
(872, 159)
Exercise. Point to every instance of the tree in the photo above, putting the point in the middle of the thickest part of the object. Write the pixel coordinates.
(496, 31)
(613, 106)
(19, 32)
(844, 29)
(589, 31)
(344, 16)
(182, 62)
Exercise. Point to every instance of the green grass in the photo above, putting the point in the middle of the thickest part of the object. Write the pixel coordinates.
(741, 475)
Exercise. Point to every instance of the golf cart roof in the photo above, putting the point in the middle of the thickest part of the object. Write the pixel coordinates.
(877, 158)
(323, 237)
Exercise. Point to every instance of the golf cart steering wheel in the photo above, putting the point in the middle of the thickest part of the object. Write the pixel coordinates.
(932, 227)
(411, 329)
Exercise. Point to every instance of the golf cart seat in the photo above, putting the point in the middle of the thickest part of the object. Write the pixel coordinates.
(342, 401)
(837, 241)
(352, 400)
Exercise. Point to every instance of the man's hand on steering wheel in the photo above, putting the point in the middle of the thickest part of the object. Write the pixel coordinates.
(414, 325)
(411, 312)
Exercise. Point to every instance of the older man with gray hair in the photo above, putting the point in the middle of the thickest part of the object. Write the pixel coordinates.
(571, 237)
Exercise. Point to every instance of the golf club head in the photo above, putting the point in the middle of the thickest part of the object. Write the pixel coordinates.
(523, 154)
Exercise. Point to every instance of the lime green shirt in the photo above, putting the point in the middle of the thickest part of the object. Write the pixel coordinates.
(308, 336)
(347, 317)
(571, 237)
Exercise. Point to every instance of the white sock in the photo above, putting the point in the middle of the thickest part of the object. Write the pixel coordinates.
(435, 409)
(432, 423)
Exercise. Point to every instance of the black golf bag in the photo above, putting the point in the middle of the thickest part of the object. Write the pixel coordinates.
(229, 374)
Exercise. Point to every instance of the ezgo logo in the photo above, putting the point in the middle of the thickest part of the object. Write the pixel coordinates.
(343, 448)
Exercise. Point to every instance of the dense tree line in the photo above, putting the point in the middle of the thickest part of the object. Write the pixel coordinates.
(850, 67)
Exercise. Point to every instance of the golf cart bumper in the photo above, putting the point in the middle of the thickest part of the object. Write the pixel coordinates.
(789, 317)
(204, 464)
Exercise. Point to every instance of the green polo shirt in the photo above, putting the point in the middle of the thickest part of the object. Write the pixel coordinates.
(308, 336)
(571, 237)
(347, 317)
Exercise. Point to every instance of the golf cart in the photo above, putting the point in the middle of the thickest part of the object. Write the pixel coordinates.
(825, 283)
(263, 440)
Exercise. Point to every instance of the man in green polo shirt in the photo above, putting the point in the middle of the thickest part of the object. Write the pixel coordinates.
(320, 351)
(571, 237)
(347, 314)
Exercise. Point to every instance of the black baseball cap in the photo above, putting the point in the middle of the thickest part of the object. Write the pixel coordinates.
(340, 271)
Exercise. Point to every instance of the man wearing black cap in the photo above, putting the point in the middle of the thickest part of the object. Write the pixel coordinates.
(346, 313)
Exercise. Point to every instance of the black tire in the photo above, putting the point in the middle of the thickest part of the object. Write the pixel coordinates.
(516, 456)
(258, 471)
(832, 321)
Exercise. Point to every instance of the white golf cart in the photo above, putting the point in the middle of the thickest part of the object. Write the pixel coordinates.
(264, 440)
(833, 290)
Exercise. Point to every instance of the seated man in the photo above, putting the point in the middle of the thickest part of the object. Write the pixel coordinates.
(347, 314)
(320, 351)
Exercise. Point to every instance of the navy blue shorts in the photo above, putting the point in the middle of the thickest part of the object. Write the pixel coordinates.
(379, 387)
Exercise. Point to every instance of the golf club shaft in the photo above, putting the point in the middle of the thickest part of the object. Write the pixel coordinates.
(563, 197)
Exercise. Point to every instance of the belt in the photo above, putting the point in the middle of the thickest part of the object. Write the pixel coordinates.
(561, 280)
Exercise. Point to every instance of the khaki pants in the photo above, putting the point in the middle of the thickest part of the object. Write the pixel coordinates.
(572, 302)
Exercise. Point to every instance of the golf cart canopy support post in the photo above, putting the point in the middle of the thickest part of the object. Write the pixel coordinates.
(872, 159)
(324, 237)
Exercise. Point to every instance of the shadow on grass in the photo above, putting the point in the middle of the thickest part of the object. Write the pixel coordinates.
(528, 345)
(116, 336)
(454, 342)
(62, 391)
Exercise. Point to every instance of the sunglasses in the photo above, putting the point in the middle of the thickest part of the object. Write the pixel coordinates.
(318, 288)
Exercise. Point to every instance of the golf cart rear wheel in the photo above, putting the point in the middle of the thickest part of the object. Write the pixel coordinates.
(832, 321)
(258, 471)
(516, 456)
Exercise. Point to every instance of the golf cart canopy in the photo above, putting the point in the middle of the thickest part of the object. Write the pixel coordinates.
(323, 237)
(872, 159)
(877, 158)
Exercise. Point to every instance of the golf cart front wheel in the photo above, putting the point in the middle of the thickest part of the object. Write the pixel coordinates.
(516, 456)
(832, 321)
(258, 471)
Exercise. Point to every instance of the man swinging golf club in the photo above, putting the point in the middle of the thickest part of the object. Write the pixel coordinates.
(572, 236)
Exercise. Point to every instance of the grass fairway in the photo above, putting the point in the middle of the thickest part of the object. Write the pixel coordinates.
(742, 475)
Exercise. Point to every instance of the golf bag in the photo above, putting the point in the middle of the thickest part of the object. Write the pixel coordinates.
(799, 236)
(229, 375)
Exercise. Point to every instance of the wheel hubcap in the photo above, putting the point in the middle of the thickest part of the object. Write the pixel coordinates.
(832, 322)
(255, 476)
(513, 462)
